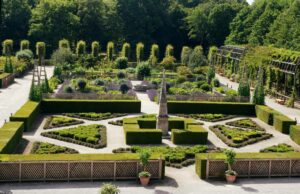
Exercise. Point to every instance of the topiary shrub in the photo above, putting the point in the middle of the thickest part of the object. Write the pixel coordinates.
(81, 48)
(81, 84)
(68, 89)
(121, 62)
(126, 50)
(216, 83)
(169, 51)
(64, 44)
(205, 87)
(154, 55)
(140, 52)
(124, 88)
(197, 58)
(168, 63)
(24, 45)
(143, 70)
(25, 55)
(95, 49)
(121, 75)
(7, 47)
(40, 51)
(210, 74)
(110, 51)
(185, 55)
(99, 82)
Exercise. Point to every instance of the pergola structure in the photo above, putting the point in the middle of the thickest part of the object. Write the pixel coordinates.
(228, 54)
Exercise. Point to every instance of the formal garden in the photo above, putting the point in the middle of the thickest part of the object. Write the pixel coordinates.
(140, 105)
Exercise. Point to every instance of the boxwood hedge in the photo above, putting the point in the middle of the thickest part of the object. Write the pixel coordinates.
(183, 107)
(283, 123)
(295, 133)
(10, 136)
(265, 113)
(98, 106)
(194, 134)
(27, 114)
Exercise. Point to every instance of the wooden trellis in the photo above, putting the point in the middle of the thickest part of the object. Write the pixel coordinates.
(39, 72)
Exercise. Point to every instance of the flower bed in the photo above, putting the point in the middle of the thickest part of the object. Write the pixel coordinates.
(245, 123)
(47, 148)
(177, 157)
(95, 116)
(116, 122)
(93, 136)
(239, 137)
(208, 117)
(58, 121)
(280, 148)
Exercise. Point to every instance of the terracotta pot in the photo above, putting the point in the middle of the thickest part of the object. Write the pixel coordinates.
(145, 180)
(230, 178)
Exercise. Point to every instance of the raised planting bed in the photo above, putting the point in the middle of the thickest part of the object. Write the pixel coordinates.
(95, 116)
(239, 137)
(116, 122)
(48, 148)
(59, 121)
(176, 157)
(93, 136)
(245, 123)
(208, 117)
(280, 148)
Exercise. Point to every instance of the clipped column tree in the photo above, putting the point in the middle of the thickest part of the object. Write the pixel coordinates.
(140, 52)
(185, 55)
(169, 51)
(64, 44)
(7, 47)
(110, 50)
(40, 51)
(154, 55)
(126, 50)
(81, 48)
(24, 45)
(212, 51)
(95, 49)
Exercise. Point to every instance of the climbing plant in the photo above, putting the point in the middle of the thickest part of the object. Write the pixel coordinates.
(140, 52)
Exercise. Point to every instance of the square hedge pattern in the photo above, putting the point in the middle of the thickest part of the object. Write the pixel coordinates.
(184, 131)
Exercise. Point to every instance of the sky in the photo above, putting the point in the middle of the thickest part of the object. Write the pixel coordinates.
(250, 1)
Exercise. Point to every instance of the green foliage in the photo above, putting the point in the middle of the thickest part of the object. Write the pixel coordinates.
(94, 116)
(189, 107)
(169, 51)
(265, 113)
(208, 117)
(110, 50)
(126, 49)
(24, 45)
(144, 157)
(40, 50)
(95, 49)
(25, 55)
(140, 49)
(244, 89)
(212, 51)
(283, 123)
(109, 188)
(185, 55)
(48, 148)
(88, 135)
(7, 46)
(64, 44)
(121, 62)
(98, 106)
(10, 136)
(27, 114)
(168, 63)
(210, 74)
(154, 55)
(80, 48)
(81, 84)
(197, 58)
(194, 134)
(295, 133)
(280, 148)
(245, 123)
(143, 70)
(230, 158)
(59, 121)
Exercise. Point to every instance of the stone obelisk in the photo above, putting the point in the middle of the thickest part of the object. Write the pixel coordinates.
(162, 118)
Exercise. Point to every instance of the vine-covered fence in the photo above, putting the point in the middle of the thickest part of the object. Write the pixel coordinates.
(77, 170)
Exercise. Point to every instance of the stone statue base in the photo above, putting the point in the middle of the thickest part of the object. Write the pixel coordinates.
(163, 124)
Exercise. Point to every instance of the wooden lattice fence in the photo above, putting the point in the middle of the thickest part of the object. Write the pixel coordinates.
(255, 168)
(77, 170)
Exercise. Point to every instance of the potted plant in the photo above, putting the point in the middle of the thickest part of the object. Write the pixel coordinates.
(109, 189)
(230, 160)
(144, 160)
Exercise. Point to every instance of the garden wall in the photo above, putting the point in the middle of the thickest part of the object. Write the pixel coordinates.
(182, 107)
(249, 165)
(21, 168)
(100, 106)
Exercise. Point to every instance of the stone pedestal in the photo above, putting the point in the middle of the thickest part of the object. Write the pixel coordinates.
(163, 124)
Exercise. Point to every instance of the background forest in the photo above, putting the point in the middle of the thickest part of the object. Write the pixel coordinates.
(179, 22)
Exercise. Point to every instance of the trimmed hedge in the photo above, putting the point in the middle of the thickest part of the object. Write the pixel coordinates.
(10, 136)
(282, 123)
(201, 159)
(183, 107)
(194, 134)
(265, 113)
(98, 106)
(27, 114)
(295, 133)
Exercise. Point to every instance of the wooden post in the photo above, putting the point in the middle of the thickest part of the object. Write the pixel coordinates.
(207, 169)
(270, 167)
(20, 172)
(115, 170)
(68, 171)
(45, 171)
(249, 169)
(92, 170)
(160, 168)
(290, 169)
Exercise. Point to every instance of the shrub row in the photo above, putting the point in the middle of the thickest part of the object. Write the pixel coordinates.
(58, 121)
(265, 113)
(10, 136)
(195, 134)
(295, 133)
(283, 123)
(103, 106)
(27, 114)
(182, 107)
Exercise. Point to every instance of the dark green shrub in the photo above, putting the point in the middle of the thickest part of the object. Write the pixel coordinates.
(295, 133)
(121, 62)
(81, 84)
(205, 87)
(283, 123)
(121, 75)
(124, 88)
(216, 83)
(99, 82)
(68, 89)
(143, 70)
(265, 113)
